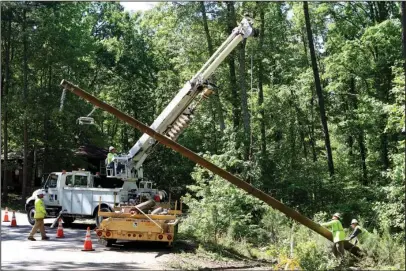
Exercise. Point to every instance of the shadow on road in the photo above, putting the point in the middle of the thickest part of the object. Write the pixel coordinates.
(68, 265)
(139, 246)
(75, 236)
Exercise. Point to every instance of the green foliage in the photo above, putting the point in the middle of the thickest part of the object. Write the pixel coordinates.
(391, 206)
(312, 256)
(138, 61)
(218, 208)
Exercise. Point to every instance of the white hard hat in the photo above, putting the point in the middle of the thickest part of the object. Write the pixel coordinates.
(111, 148)
(354, 221)
(337, 215)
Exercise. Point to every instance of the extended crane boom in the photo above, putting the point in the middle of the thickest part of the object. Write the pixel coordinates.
(179, 112)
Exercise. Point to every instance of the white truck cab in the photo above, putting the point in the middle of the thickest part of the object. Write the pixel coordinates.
(77, 195)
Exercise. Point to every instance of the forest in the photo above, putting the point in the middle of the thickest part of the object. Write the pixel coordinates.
(312, 112)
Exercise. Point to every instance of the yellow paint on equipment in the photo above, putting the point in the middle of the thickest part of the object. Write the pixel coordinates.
(120, 225)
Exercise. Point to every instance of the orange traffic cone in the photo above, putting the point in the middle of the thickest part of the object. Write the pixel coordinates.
(88, 241)
(13, 220)
(6, 216)
(59, 232)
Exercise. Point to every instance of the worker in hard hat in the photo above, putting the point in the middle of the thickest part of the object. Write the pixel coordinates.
(110, 158)
(39, 216)
(359, 234)
(338, 234)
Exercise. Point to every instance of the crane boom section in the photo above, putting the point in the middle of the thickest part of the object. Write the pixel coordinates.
(179, 112)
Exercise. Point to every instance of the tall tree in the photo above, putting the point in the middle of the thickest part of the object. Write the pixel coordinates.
(244, 100)
(403, 8)
(211, 52)
(25, 101)
(318, 89)
(260, 7)
(231, 20)
(5, 87)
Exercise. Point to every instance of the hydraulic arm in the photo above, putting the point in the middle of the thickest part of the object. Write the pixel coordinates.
(179, 112)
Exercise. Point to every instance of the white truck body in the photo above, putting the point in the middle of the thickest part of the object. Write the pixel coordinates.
(74, 193)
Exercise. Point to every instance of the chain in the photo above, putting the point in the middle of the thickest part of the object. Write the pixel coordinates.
(94, 108)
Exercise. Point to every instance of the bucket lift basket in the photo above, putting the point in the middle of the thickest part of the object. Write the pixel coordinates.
(86, 121)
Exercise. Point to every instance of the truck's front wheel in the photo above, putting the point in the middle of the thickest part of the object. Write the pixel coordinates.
(30, 214)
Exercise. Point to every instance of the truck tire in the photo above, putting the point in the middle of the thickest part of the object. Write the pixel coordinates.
(30, 214)
(67, 221)
(98, 219)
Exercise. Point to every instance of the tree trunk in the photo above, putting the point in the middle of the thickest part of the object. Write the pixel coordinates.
(360, 135)
(319, 90)
(311, 133)
(244, 101)
(34, 166)
(233, 79)
(46, 125)
(260, 80)
(403, 8)
(299, 117)
(363, 157)
(350, 140)
(6, 86)
(216, 98)
(25, 99)
(311, 130)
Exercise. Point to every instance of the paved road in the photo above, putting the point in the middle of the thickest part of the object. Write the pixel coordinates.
(18, 253)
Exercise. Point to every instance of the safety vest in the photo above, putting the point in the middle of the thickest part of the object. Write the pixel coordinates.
(363, 235)
(40, 211)
(337, 229)
(110, 157)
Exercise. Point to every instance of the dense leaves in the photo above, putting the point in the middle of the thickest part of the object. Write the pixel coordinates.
(264, 123)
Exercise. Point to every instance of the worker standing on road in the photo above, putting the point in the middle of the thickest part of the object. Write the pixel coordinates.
(338, 234)
(359, 234)
(39, 216)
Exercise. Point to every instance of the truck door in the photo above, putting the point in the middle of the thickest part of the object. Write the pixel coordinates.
(66, 193)
(77, 201)
(80, 187)
(51, 197)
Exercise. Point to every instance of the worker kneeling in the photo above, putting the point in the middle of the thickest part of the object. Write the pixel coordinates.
(39, 216)
(337, 229)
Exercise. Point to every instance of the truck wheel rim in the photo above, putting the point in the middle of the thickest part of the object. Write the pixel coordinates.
(32, 213)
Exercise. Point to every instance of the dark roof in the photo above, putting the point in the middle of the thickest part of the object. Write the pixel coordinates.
(91, 151)
(13, 155)
(88, 151)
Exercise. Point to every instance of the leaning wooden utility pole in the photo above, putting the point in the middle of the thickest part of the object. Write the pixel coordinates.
(210, 166)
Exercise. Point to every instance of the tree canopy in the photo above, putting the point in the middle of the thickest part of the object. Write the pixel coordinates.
(311, 111)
